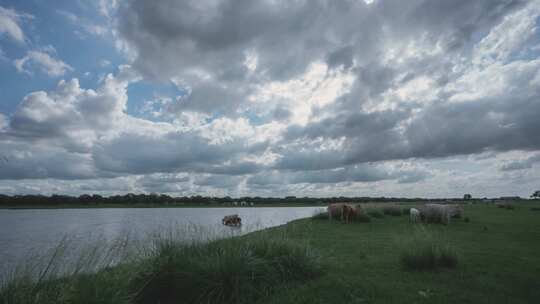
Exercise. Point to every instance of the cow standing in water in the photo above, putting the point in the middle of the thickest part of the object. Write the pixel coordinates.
(232, 220)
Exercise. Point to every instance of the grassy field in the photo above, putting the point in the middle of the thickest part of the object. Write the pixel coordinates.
(319, 261)
(498, 254)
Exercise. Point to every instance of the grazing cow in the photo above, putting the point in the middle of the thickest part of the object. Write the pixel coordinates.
(349, 213)
(345, 211)
(414, 215)
(232, 220)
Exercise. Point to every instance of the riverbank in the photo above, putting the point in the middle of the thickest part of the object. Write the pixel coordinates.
(497, 252)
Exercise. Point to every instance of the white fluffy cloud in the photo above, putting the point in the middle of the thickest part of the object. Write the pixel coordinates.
(10, 24)
(44, 62)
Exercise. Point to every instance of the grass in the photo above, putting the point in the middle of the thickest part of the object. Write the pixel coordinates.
(363, 261)
(425, 251)
(375, 213)
(362, 218)
(321, 261)
(392, 210)
(506, 205)
(322, 215)
(232, 270)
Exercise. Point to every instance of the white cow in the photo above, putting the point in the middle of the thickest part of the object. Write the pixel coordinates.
(414, 215)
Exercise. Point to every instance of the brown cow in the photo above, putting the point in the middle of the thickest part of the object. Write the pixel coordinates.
(349, 213)
(345, 211)
(232, 220)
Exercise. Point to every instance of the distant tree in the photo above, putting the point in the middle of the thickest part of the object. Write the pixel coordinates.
(467, 197)
(536, 194)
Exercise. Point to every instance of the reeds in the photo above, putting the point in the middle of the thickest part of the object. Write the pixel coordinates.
(165, 269)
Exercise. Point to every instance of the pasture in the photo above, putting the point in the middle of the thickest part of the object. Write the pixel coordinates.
(498, 260)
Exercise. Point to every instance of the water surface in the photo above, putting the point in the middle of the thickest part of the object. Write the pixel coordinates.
(28, 232)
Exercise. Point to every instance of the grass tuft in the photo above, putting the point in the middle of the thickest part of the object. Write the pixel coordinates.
(322, 215)
(506, 205)
(423, 251)
(392, 210)
(375, 212)
(362, 218)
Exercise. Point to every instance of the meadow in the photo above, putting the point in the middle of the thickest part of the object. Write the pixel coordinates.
(491, 257)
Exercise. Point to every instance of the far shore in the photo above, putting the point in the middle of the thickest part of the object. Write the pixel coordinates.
(111, 206)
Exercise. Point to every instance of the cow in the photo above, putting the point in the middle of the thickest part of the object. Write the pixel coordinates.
(345, 211)
(414, 215)
(349, 213)
(232, 220)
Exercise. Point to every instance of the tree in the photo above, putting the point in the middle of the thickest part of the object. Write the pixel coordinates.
(536, 194)
(467, 197)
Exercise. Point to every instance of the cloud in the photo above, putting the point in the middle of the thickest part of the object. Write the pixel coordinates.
(521, 164)
(86, 25)
(92, 129)
(44, 62)
(363, 173)
(275, 97)
(10, 24)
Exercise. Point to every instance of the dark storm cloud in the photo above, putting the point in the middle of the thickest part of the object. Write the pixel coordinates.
(218, 181)
(363, 173)
(139, 154)
(441, 130)
(24, 161)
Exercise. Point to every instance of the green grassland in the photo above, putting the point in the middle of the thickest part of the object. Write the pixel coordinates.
(320, 261)
(498, 254)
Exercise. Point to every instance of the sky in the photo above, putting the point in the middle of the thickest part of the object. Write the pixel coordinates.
(417, 98)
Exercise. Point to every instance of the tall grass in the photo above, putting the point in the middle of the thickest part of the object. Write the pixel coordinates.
(375, 212)
(424, 250)
(320, 215)
(166, 270)
(392, 210)
(60, 276)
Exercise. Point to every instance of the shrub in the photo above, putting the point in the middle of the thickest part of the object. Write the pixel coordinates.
(423, 251)
(392, 210)
(466, 219)
(376, 213)
(535, 209)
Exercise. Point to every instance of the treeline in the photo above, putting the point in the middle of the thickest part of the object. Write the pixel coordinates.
(162, 199)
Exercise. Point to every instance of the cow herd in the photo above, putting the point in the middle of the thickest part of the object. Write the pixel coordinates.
(428, 213)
